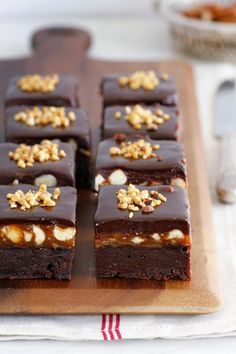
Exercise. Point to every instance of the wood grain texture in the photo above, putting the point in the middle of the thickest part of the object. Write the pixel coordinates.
(64, 51)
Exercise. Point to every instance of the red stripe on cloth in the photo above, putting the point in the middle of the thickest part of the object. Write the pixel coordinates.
(117, 327)
(103, 326)
(110, 330)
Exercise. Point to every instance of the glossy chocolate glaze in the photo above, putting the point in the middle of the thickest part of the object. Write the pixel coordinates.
(63, 170)
(113, 93)
(19, 132)
(169, 160)
(65, 94)
(168, 130)
(62, 213)
(172, 214)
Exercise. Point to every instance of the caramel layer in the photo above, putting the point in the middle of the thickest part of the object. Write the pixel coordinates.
(170, 238)
(125, 177)
(33, 235)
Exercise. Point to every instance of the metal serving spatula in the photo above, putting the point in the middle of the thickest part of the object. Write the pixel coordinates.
(225, 129)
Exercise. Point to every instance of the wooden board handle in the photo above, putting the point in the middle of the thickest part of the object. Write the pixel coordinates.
(61, 40)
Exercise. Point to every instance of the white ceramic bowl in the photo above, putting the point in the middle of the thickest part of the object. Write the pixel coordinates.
(200, 38)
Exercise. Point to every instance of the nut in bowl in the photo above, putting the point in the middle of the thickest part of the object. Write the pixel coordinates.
(202, 37)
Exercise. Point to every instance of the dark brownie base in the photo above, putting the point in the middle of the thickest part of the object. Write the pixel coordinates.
(29, 263)
(143, 263)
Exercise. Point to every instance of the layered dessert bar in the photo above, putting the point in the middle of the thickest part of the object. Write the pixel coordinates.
(140, 160)
(45, 163)
(48, 90)
(139, 87)
(158, 121)
(143, 233)
(38, 231)
(31, 125)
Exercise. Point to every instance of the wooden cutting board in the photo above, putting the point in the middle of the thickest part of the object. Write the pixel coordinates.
(64, 51)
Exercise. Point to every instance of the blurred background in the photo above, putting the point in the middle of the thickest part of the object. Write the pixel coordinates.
(125, 24)
(19, 18)
(71, 7)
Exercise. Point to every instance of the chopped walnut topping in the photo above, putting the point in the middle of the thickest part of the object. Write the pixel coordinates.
(54, 116)
(138, 116)
(131, 214)
(167, 189)
(146, 80)
(162, 197)
(148, 209)
(139, 149)
(38, 83)
(56, 193)
(165, 76)
(134, 199)
(117, 115)
(31, 199)
(27, 156)
(119, 137)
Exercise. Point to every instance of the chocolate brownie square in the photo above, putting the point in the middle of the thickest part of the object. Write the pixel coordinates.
(48, 90)
(38, 231)
(139, 87)
(143, 233)
(140, 160)
(45, 163)
(158, 121)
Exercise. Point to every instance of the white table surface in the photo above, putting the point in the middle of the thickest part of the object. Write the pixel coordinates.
(126, 38)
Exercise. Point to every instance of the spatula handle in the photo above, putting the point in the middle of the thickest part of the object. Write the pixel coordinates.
(226, 186)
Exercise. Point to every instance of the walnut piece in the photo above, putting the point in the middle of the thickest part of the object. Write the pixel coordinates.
(27, 155)
(38, 83)
(54, 116)
(146, 80)
(117, 115)
(56, 193)
(165, 76)
(134, 199)
(139, 149)
(31, 199)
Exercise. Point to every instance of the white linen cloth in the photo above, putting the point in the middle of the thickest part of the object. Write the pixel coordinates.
(108, 327)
